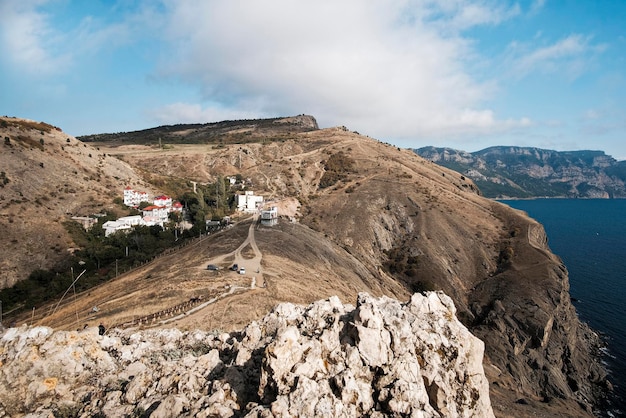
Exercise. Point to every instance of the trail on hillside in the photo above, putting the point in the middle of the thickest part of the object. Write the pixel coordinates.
(251, 265)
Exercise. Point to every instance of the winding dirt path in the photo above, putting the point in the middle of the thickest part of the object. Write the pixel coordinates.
(252, 265)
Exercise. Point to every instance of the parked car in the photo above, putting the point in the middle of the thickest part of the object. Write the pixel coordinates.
(212, 267)
(235, 267)
(242, 270)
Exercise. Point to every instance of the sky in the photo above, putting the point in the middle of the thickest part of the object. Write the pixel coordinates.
(465, 74)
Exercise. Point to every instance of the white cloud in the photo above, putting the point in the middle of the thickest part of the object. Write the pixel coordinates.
(194, 113)
(591, 114)
(27, 36)
(458, 15)
(536, 6)
(569, 56)
(36, 45)
(384, 68)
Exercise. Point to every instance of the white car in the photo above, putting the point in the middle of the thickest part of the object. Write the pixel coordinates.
(242, 270)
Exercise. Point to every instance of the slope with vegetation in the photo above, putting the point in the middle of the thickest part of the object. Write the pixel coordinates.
(360, 215)
(46, 178)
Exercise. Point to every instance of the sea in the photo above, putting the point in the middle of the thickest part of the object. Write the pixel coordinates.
(590, 237)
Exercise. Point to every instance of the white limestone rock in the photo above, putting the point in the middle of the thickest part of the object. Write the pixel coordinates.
(381, 358)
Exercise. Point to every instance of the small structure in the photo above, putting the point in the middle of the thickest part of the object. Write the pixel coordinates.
(177, 207)
(268, 214)
(248, 202)
(212, 224)
(85, 221)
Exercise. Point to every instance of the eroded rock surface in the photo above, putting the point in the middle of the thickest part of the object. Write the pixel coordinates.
(382, 358)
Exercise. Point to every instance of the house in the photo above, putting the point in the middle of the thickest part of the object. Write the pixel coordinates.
(163, 200)
(122, 224)
(271, 213)
(160, 213)
(177, 207)
(248, 202)
(133, 198)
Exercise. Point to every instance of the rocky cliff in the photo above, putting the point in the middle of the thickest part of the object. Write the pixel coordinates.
(380, 358)
(524, 172)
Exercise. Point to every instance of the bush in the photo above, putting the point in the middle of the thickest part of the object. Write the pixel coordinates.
(337, 167)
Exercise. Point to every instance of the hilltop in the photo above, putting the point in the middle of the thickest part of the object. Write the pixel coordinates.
(524, 172)
(225, 132)
(358, 215)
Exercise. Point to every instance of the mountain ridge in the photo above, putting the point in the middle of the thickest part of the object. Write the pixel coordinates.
(224, 132)
(530, 172)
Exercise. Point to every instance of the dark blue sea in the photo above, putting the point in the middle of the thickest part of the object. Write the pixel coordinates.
(590, 237)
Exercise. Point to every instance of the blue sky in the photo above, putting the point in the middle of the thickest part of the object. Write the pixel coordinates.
(465, 74)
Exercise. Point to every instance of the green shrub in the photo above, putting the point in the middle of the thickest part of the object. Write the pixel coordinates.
(337, 167)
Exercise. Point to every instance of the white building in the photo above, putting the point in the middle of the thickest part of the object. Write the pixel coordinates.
(271, 213)
(248, 202)
(163, 200)
(160, 213)
(133, 198)
(122, 224)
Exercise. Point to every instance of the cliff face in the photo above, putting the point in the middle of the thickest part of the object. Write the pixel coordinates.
(532, 172)
(381, 358)
(525, 316)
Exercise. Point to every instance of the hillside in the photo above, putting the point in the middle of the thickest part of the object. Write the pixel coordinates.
(225, 132)
(359, 215)
(46, 178)
(521, 172)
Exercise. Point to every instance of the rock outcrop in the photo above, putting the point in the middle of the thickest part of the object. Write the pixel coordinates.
(381, 358)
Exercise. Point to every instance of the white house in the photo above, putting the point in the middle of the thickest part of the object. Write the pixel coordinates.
(133, 197)
(122, 224)
(271, 213)
(163, 200)
(177, 207)
(248, 202)
(156, 212)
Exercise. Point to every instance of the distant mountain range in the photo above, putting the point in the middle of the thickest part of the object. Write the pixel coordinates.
(523, 172)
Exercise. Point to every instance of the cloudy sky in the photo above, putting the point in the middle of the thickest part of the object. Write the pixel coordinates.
(465, 74)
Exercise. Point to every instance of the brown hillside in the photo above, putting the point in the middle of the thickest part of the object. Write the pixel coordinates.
(384, 221)
(46, 178)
